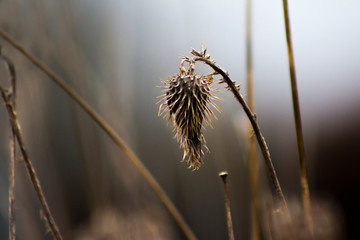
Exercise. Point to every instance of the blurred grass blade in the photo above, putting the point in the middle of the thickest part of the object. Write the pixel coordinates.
(111, 133)
(253, 165)
(29, 166)
(297, 115)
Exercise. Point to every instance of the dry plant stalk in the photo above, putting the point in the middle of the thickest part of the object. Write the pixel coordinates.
(297, 115)
(253, 164)
(29, 166)
(12, 193)
(193, 95)
(202, 57)
(111, 133)
(224, 176)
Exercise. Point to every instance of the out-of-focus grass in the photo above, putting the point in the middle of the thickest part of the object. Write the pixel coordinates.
(115, 66)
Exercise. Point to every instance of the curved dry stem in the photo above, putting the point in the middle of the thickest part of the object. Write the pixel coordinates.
(297, 115)
(30, 168)
(252, 117)
(111, 133)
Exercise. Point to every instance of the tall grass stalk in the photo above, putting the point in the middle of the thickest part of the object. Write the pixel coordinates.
(253, 165)
(12, 192)
(297, 115)
(12, 183)
(111, 133)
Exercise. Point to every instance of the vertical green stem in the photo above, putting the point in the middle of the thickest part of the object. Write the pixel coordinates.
(299, 133)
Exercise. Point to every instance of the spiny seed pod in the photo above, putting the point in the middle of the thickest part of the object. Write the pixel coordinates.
(186, 100)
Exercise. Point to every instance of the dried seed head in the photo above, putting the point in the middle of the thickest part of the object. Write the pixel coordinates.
(186, 100)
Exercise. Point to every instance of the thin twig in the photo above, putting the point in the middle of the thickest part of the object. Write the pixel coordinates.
(223, 176)
(111, 133)
(12, 183)
(30, 168)
(252, 118)
(253, 164)
(12, 195)
(297, 115)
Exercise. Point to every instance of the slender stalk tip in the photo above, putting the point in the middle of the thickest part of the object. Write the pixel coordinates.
(223, 174)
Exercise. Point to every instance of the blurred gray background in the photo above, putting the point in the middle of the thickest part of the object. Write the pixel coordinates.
(114, 53)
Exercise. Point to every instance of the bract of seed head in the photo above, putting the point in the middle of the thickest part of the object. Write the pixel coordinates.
(186, 101)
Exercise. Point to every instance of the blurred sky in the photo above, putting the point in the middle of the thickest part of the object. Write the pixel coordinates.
(326, 37)
(325, 34)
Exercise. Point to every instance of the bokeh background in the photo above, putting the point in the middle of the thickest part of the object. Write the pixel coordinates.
(114, 53)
